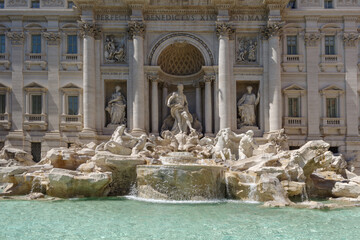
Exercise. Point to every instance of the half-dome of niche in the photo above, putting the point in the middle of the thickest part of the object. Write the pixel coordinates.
(181, 59)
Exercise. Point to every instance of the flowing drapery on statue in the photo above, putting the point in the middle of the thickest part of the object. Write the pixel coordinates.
(246, 107)
(117, 107)
(178, 104)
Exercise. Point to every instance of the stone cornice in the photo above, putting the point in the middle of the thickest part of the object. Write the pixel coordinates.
(136, 28)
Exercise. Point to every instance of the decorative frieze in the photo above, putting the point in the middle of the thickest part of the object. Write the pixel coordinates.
(246, 50)
(17, 38)
(351, 39)
(115, 50)
(136, 28)
(312, 39)
(224, 29)
(272, 29)
(52, 3)
(53, 38)
(17, 3)
(88, 29)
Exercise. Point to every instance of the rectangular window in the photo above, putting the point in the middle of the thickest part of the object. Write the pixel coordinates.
(36, 44)
(329, 45)
(332, 108)
(328, 4)
(73, 105)
(2, 5)
(292, 45)
(2, 43)
(72, 44)
(292, 4)
(294, 107)
(71, 4)
(36, 151)
(35, 4)
(36, 104)
(2, 103)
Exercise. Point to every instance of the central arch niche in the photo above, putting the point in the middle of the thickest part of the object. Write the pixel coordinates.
(181, 59)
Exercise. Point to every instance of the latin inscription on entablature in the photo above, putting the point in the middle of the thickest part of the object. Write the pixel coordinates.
(248, 18)
(180, 2)
(180, 17)
(111, 17)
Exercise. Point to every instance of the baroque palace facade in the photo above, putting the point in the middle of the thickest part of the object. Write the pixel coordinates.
(71, 71)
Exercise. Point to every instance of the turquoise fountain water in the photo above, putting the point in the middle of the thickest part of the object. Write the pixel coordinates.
(121, 218)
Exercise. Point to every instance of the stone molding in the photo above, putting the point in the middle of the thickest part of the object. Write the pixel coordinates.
(52, 3)
(53, 38)
(88, 29)
(224, 29)
(136, 28)
(312, 39)
(351, 39)
(272, 29)
(17, 38)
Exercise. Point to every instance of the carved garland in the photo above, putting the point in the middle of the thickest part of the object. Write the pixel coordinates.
(312, 39)
(17, 38)
(351, 39)
(181, 35)
(52, 38)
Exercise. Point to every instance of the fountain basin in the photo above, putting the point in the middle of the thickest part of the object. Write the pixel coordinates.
(178, 158)
(180, 182)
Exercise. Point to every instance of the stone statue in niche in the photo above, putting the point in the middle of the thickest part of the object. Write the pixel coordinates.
(114, 52)
(178, 105)
(117, 107)
(247, 50)
(246, 108)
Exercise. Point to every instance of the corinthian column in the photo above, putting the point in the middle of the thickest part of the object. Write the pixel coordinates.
(271, 32)
(136, 32)
(89, 31)
(154, 104)
(223, 30)
(208, 104)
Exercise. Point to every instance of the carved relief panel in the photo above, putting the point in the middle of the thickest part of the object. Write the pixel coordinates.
(53, 3)
(115, 48)
(17, 3)
(246, 49)
(310, 3)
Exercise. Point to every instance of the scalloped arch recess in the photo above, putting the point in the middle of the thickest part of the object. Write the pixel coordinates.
(181, 59)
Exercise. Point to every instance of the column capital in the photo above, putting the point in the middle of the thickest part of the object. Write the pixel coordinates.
(224, 29)
(209, 78)
(153, 78)
(136, 28)
(89, 29)
(312, 39)
(53, 38)
(351, 39)
(17, 38)
(272, 29)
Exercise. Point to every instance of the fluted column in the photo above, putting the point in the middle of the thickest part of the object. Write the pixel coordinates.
(224, 31)
(271, 32)
(164, 98)
(136, 32)
(208, 104)
(89, 31)
(154, 104)
(64, 104)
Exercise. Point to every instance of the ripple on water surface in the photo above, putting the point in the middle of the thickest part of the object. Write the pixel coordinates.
(121, 218)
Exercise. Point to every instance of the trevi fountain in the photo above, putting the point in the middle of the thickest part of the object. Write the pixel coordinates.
(183, 166)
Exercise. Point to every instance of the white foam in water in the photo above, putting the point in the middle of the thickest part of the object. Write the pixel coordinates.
(187, 201)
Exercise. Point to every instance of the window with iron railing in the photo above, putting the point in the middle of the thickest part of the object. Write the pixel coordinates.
(36, 43)
(292, 45)
(329, 45)
(294, 107)
(332, 107)
(72, 44)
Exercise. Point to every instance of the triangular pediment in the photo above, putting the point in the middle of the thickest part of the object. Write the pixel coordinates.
(3, 87)
(35, 87)
(294, 87)
(70, 86)
(332, 88)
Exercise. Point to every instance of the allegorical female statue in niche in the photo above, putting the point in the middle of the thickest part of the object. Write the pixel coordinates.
(246, 106)
(117, 107)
